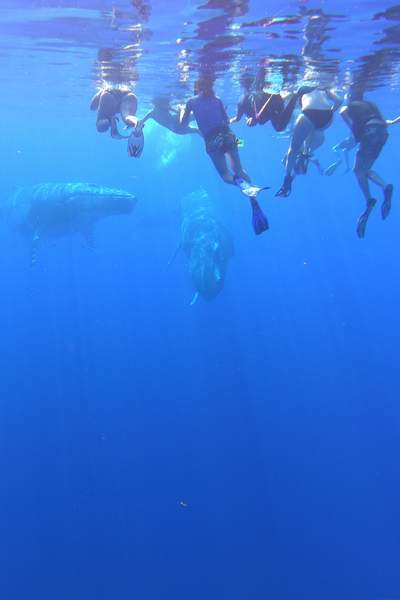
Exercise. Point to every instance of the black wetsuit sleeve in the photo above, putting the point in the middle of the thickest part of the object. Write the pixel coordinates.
(281, 114)
(225, 116)
(241, 109)
(305, 89)
(247, 105)
(274, 110)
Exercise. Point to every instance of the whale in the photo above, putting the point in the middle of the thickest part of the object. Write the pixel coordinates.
(207, 244)
(52, 210)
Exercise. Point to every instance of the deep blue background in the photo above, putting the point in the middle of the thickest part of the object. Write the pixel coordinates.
(271, 412)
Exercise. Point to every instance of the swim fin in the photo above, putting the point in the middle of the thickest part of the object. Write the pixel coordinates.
(260, 221)
(332, 168)
(387, 203)
(286, 188)
(247, 189)
(195, 298)
(362, 221)
(175, 254)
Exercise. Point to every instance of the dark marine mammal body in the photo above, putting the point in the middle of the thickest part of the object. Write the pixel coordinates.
(50, 210)
(206, 243)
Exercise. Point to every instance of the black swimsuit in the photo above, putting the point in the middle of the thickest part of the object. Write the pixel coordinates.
(319, 118)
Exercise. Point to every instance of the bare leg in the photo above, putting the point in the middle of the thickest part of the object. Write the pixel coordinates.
(302, 129)
(374, 177)
(220, 164)
(236, 164)
(315, 140)
(387, 193)
(362, 178)
(128, 108)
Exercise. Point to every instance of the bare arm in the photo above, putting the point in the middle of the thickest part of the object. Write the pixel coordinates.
(140, 122)
(148, 116)
(239, 114)
(184, 118)
(114, 130)
(344, 112)
(335, 99)
(128, 109)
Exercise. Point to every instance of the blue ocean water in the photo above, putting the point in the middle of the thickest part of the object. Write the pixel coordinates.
(236, 449)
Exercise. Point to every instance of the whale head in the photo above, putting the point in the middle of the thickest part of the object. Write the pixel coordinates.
(50, 210)
(104, 201)
(208, 269)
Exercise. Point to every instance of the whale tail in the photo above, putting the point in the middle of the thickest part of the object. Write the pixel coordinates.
(194, 299)
(175, 254)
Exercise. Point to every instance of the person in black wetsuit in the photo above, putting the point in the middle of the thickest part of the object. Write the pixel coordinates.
(369, 129)
(261, 107)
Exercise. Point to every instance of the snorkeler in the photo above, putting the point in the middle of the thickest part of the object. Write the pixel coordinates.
(109, 103)
(317, 108)
(221, 143)
(369, 130)
(261, 107)
(167, 117)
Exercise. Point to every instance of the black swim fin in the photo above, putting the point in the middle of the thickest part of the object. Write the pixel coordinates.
(286, 188)
(260, 221)
(387, 203)
(362, 221)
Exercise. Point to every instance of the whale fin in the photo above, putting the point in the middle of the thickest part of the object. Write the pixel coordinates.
(194, 299)
(175, 254)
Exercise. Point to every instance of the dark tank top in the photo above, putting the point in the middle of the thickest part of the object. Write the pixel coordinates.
(361, 112)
